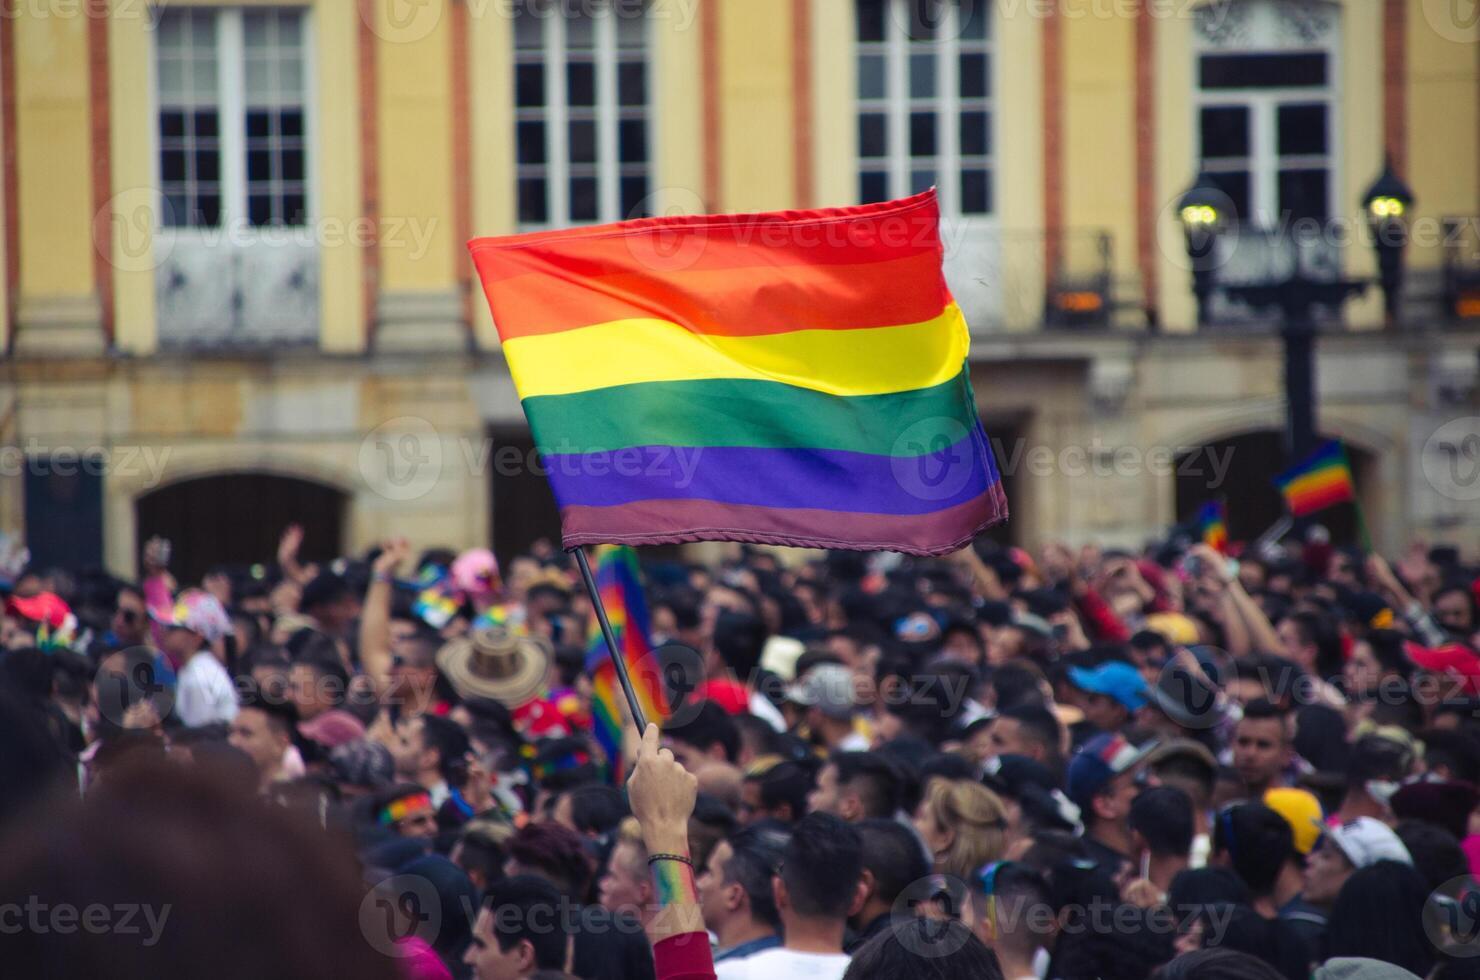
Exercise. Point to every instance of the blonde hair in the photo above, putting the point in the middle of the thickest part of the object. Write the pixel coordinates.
(977, 821)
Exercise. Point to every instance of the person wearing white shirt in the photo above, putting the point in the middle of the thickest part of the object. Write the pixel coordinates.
(204, 693)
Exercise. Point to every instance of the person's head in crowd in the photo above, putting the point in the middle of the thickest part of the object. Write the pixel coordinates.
(758, 739)
(330, 602)
(711, 822)
(1451, 755)
(1302, 812)
(856, 786)
(708, 733)
(1376, 658)
(429, 749)
(1454, 610)
(1345, 849)
(1162, 829)
(963, 825)
(361, 768)
(627, 885)
(197, 622)
(414, 665)
(406, 810)
(1310, 641)
(1217, 963)
(819, 882)
(479, 851)
(892, 861)
(736, 645)
(593, 810)
(1101, 782)
(263, 729)
(894, 954)
(1110, 694)
(1377, 765)
(735, 893)
(825, 693)
(1378, 914)
(778, 791)
(1261, 746)
(1436, 853)
(269, 666)
(1029, 729)
(1149, 651)
(130, 623)
(555, 853)
(1012, 912)
(519, 930)
(1256, 842)
(317, 680)
(1187, 765)
(445, 886)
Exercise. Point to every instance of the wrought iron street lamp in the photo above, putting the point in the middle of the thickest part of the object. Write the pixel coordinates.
(1387, 204)
(1201, 213)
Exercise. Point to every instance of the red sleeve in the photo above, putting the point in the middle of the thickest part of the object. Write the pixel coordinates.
(684, 957)
(1104, 624)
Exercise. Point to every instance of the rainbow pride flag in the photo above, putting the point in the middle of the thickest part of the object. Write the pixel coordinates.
(794, 378)
(1323, 480)
(620, 587)
(1212, 524)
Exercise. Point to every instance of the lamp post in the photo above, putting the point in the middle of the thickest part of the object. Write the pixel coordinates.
(1387, 203)
(1202, 216)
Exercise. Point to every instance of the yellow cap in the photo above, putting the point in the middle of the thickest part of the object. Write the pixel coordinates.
(1302, 811)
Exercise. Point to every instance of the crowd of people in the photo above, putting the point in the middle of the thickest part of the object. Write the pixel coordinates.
(1071, 764)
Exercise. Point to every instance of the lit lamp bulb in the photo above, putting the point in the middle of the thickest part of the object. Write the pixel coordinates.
(1199, 216)
(1386, 207)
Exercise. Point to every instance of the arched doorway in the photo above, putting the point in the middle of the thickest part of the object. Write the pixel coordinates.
(1241, 469)
(237, 519)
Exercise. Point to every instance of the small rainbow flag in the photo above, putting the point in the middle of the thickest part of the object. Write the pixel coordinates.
(1323, 480)
(1212, 523)
(620, 587)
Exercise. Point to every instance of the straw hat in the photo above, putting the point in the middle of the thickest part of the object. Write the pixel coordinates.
(494, 663)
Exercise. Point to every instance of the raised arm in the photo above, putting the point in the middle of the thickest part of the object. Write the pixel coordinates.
(375, 616)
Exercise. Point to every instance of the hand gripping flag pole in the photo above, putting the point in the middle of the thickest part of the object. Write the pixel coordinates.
(611, 640)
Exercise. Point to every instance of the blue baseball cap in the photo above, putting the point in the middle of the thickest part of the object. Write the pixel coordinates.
(1102, 759)
(1114, 679)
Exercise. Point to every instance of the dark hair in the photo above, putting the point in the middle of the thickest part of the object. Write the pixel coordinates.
(756, 854)
(479, 851)
(1163, 815)
(555, 851)
(786, 782)
(281, 714)
(1258, 842)
(1262, 709)
(877, 781)
(1317, 628)
(1379, 914)
(1039, 724)
(739, 639)
(1436, 852)
(1017, 682)
(1019, 889)
(1203, 887)
(710, 725)
(1387, 648)
(1217, 963)
(531, 898)
(1052, 848)
(821, 866)
(452, 746)
(326, 588)
(596, 809)
(1456, 750)
(892, 855)
(894, 953)
(1375, 757)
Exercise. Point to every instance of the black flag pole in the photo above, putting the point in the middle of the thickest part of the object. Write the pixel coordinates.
(611, 640)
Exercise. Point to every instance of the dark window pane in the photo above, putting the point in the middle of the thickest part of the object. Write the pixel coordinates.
(171, 124)
(1236, 186)
(259, 208)
(922, 76)
(172, 165)
(632, 141)
(975, 19)
(1225, 132)
(292, 163)
(205, 123)
(176, 211)
(580, 83)
(975, 133)
(871, 76)
(634, 197)
(921, 180)
(533, 203)
(208, 165)
(209, 213)
(922, 134)
(927, 18)
(632, 83)
(295, 209)
(871, 16)
(873, 186)
(1261, 70)
(873, 140)
(530, 137)
(529, 85)
(974, 76)
(290, 122)
(976, 192)
(258, 124)
(583, 199)
(528, 29)
(1302, 129)
(259, 165)
(582, 141)
(1303, 194)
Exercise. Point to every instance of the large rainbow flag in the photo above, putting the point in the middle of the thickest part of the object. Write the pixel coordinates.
(1323, 480)
(794, 378)
(620, 586)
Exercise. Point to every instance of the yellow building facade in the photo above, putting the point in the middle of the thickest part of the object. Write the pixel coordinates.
(234, 238)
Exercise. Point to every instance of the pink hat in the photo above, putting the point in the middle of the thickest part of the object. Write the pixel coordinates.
(475, 573)
(199, 612)
(333, 728)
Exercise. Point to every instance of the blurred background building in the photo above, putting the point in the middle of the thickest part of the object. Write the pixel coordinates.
(235, 292)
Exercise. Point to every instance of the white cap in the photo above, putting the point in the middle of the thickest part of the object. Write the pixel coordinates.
(1365, 841)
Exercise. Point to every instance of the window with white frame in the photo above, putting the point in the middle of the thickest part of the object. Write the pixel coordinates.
(1266, 107)
(925, 101)
(582, 139)
(232, 117)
